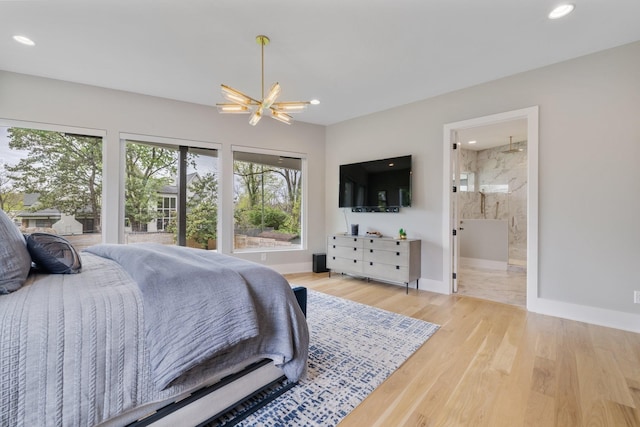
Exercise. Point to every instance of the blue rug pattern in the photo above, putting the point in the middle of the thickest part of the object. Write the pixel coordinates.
(353, 349)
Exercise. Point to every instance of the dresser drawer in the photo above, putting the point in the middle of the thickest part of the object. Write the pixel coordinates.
(387, 257)
(344, 265)
(386, 244)
(394, 273)
(352, 241)
(349, 252)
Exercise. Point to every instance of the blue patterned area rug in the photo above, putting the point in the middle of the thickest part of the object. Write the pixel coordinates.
(353, 349)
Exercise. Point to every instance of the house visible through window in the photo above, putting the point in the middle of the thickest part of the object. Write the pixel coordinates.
(268, 200)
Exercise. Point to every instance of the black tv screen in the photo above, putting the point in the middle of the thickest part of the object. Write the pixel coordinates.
(376, 186)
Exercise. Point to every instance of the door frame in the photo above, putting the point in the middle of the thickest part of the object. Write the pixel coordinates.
(448, 225)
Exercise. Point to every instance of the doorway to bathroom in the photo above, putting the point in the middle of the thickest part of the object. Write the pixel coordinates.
(492, 162)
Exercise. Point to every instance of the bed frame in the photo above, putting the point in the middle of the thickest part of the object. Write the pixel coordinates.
(230, 400)
(247, 390)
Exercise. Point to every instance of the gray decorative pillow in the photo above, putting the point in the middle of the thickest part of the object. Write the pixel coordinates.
(15, 261)
(53, 254)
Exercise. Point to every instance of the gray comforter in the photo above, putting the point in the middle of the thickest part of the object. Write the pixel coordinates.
(80, 349)
(194, 308)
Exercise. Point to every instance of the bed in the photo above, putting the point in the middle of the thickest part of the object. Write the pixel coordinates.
(140, 328)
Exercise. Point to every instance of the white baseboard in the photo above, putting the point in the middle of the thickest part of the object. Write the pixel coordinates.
(581, 313)
(483, 263)
(301, 267)
(437, 286)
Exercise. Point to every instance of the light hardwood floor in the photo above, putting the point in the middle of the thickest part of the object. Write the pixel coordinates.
(493, 364)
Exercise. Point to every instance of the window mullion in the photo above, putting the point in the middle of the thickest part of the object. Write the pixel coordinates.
(182, 196)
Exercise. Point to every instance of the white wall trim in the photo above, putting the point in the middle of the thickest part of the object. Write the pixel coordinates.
(170, 141)
(438, 286)
(106, 164)
(52, 127)
(301, 267)
(581, 313)
(257, 150)
(531, 114)
(304, 221)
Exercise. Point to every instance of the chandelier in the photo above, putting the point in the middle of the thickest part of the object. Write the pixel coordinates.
(239, 103)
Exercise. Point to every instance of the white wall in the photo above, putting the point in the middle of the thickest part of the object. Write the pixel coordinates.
(46, 101)
(589, 179)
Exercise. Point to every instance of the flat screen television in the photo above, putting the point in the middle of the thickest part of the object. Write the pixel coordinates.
(376, 186)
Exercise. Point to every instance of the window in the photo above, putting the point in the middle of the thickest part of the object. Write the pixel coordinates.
(156, 202)
(52, 181)
(166, 213)
(268, 200)
(467, 181)
(43, 223)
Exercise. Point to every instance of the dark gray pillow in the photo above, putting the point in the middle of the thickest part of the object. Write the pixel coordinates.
(15, 261)
(53, 254)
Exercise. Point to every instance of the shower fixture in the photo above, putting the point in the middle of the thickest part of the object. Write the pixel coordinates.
(511, 149)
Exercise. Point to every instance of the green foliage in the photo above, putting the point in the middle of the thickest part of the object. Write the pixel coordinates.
(251, 176)
(269, 217)
(202, 209)
(292, 224)
(201, 223)
(10, 199)
(241, 218)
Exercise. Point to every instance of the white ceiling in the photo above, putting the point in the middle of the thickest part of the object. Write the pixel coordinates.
(355, 56)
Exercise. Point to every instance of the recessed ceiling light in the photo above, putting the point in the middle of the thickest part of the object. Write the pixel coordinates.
(472, 142)
(560, 11)
(24, 40)
(314, 102)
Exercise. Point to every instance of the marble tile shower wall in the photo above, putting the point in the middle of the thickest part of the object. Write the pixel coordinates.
(502, 178)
